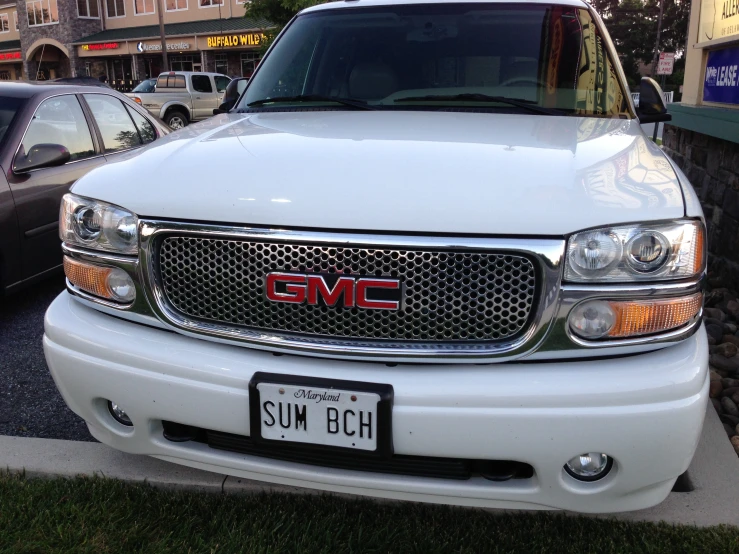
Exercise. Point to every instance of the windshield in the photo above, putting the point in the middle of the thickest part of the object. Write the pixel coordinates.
(8, 108)
(146, 86)
(442, 56)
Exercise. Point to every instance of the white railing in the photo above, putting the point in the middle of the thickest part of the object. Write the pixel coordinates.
(668, 96)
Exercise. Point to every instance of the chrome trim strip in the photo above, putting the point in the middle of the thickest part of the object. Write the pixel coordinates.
(546, 253)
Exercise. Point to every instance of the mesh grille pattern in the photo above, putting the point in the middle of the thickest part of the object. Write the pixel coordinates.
(447, 296)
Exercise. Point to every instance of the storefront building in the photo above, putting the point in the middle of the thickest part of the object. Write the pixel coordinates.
(119, 40)
(11, 59)
(703, 136)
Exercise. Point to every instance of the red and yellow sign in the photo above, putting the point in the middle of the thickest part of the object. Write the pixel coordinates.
(230, 41)
(10, 56)
(101, 46)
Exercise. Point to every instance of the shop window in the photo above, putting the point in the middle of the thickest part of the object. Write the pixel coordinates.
(210, 3)
(4, 23)
(249, 62)
(146, 129)
(116, 8)
(143, 7)
(201, 83)
(222, 63)
(42, 12)
(88, 8)
(176, 5)
(60, 120)
(4, 75)
(181, 63)
(116, 126)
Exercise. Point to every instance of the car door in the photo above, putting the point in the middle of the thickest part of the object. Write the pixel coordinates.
(204, 96)
(38, 192)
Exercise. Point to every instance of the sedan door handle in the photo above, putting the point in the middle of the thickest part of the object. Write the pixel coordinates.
(197, 98)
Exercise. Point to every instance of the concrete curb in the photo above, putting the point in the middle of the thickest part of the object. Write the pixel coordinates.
(713, 472)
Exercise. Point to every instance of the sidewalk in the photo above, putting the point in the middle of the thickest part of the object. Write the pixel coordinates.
(714, 474)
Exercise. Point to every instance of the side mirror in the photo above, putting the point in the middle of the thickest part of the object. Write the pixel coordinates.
(42, 155)
(652, 108)
(216, 111)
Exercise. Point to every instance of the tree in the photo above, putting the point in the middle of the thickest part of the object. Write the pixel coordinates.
(278, 12)
(632, 25)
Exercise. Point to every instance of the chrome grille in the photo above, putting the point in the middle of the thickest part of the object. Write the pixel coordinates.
(447, 295)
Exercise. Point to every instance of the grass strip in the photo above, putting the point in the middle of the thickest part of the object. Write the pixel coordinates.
(98, 515)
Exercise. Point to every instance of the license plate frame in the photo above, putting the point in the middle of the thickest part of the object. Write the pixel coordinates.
(384, 444)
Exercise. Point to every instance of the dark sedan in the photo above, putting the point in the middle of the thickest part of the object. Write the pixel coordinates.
(50, 136)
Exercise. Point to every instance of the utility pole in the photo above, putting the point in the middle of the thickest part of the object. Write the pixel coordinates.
(659, 32)
(160, 11)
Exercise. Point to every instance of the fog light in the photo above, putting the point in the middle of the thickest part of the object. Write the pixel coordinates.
(590, 466)
(119, 414)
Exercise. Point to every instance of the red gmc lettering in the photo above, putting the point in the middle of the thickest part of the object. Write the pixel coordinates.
(317, 286)
(295, 293)
(302, 288)
(364, 302)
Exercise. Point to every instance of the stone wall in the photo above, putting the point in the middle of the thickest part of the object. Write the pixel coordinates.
(69, 29)
(712, 166)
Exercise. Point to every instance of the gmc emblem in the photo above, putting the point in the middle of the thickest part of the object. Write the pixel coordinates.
(363, 292)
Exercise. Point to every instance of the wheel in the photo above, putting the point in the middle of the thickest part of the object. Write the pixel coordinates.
(176, 120)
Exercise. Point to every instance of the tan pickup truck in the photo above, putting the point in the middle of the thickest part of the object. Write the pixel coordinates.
(181, 97)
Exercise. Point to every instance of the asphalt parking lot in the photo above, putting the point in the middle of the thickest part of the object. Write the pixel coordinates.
(30, 405)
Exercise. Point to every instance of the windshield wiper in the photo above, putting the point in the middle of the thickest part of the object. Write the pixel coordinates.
(354, 103)
(476, 97)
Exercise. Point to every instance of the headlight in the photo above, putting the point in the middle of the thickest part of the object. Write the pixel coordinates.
(97, 225)
(637, 253)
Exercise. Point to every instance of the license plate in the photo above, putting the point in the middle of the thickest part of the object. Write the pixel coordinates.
(321, 413)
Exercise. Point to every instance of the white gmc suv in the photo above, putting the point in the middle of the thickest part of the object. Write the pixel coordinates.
(430, 255)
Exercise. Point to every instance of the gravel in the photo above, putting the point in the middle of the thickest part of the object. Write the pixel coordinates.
(30, 405)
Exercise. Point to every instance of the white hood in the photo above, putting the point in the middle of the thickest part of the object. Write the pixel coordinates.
(429, 172)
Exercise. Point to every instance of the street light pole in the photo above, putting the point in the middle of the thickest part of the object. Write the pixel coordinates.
(160, 11)
(659, 32)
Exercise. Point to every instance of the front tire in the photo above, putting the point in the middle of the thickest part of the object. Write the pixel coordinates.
(176, 120)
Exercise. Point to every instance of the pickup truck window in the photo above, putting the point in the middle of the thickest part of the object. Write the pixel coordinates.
(60, 120)
(221, 83)
(437, 56)
(201, 83)
(116, 127)
(171, 81)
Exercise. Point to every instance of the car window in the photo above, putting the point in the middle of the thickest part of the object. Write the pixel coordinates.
(201, 83)
(241, 85)
(145, 86)
(146, 129)
(221, 83)
(60, 120)
(429, 55)
(8, 108)
(171, 81)
(116, 127)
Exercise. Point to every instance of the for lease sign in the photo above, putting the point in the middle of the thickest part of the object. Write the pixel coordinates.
(721, 83)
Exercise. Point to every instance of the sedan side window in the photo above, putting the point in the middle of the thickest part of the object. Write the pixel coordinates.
(116, 127)
(60, 120)
(201, 83)
(146, 129)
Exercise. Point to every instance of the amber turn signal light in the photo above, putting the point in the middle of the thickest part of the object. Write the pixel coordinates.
(106, 282)
(619, 319)
(645, 317)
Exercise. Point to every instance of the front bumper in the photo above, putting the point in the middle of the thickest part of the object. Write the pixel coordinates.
(645, 410)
